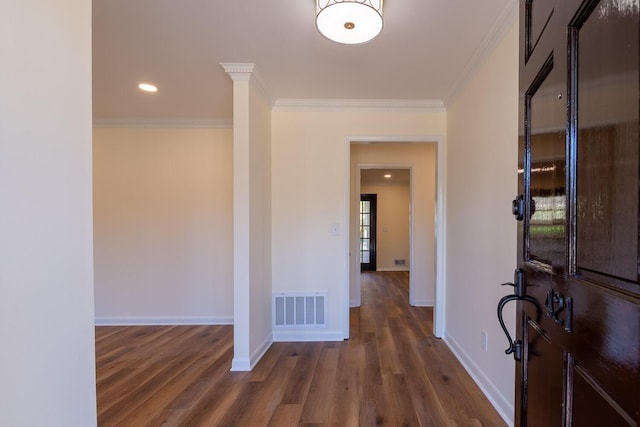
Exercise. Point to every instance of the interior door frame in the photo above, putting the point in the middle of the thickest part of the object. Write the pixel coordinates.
(352, 263)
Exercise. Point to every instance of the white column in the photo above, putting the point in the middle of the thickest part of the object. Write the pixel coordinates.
(252, 218)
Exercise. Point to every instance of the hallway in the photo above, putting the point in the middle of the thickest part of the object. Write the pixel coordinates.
(392, 372)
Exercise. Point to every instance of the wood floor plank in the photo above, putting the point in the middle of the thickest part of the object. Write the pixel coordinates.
(297, 388)
(287, 414)
(165, 396)
(207, 379)
(146, 372)
(317, 405)
(214, 405)
(404, 412)
(270, 359)
(451, 382)
(391, 372)
(262, 397)
(345, 398)
(372, 368)
(376, 399)
(426, 399)
(150, 385)
(389, 362)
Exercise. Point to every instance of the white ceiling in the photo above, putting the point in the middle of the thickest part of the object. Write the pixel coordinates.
(425, 51)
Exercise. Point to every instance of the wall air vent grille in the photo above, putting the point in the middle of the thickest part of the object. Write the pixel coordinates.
(299, 310)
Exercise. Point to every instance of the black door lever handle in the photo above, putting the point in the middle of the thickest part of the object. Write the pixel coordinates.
(515, 347)
(518, 282)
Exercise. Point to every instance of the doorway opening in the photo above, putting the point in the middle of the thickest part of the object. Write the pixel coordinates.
(423, 161)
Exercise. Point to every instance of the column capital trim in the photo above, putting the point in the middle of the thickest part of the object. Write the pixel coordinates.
(238, 70)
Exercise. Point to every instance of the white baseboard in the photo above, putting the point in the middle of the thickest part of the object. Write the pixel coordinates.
(424, 303)
(499, 402)
(403, 268)
(153, 321)
(248, 363)
(261, 350)
(240, 364)
(307, 335)
(354, 303)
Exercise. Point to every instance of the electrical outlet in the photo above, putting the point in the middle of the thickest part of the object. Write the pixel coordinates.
(484, 340)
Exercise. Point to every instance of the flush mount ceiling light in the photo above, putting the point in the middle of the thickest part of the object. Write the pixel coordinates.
(349, 21)
(147, 87)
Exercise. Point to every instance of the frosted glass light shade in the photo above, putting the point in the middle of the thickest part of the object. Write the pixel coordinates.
(349, 21)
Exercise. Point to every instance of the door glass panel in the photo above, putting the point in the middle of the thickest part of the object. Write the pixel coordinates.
(548, 188)
(607, 182)
(365, 231)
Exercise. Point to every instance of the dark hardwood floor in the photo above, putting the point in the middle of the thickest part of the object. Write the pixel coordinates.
(391, 372)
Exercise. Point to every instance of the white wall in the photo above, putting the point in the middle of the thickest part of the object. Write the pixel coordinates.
(310, 190)
(481, 232)
(422, 160)
(163, 225)
(392, 225)
(47, 362)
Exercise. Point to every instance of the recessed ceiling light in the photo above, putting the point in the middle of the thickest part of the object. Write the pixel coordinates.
(147, 87)
(387, 175)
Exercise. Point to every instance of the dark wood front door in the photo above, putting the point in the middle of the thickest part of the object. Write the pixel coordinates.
(368, 215)
(579, 332)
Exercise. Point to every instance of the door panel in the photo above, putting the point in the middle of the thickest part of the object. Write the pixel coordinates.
(592, 406)
(578, 312)
(545, 393)
(606, 343)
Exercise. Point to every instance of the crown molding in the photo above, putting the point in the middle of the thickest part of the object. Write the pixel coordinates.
(286, 105)
(360, 105)
(163, 123)
(508, 16)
